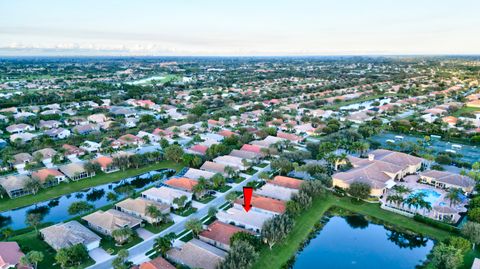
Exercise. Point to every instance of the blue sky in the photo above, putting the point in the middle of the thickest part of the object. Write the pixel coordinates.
(234, 27)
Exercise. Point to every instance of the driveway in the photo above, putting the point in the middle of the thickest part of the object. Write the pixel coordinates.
(144, 234)
(99, 255)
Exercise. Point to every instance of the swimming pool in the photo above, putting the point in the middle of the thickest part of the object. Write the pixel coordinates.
(431, 196)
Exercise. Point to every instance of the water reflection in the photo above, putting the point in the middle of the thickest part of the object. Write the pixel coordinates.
(357, 221)
(95, 195)
(404, 240)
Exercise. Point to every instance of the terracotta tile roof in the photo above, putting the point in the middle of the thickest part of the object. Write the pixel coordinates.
(104, 161)
(200, 149)
(182, 183)
(221, 232)
(162, 132)
(157, 263)
(450, 120)
(288, 136)
(129, 138)
(252, 148)
(42, 174)
(286, 182)
(226, 133)
(266, 203)
(69, 149)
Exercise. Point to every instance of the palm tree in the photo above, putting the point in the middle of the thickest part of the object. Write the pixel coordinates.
(122, 235)
(32, 258)
(7, 232)
(401, 189)
(230, 171)
(153, 212)
(162, 245)
(200, 188)
(395, 199)
(454, 196)
(363, 148)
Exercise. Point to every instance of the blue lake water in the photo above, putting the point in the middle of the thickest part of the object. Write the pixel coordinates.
(56, 210)
(354, 242)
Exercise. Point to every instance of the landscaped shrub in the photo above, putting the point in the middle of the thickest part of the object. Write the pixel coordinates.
(436, 224)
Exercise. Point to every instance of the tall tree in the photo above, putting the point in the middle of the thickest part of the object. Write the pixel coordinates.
(446, 257)
(195, 225)
(359, 190)
(242, 255)
(34, 219)
(32, 258)
(471, 230)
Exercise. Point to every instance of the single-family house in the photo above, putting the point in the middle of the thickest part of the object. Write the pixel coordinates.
(106, 164)
(45, 155)
(14, 185)
(48, 176)
(181, 183)
(91, 146)
(138, 208)
(197, 254)
(75, 171)
(251, 220)
(264, 205)
(73, 151)
(64, 235)
(218, 234)
(19, 128)
(244, 154)
(21, 159)
(10, 255)
(232, 161)
(22, 137)
(58, 133)
(214, 167)
(197, 173)
(105, 222)
(166, 195)
(276, 192)
(49, 124)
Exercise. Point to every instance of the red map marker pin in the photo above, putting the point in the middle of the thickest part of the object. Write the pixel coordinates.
(247, 198)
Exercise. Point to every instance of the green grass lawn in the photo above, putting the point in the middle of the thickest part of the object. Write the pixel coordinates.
(205, 199)
(250, 171)
(185, 212)
(187, 237)
(281, 253)
(108, 243)
(158, 228)
(224, 188)
(465, 110)
(238, 179)
(66, 188)
(262, 165)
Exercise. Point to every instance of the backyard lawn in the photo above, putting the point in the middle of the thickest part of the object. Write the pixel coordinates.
(66, 188)
(281, 253)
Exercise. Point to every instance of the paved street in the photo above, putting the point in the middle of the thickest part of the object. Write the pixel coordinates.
(137, 252)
